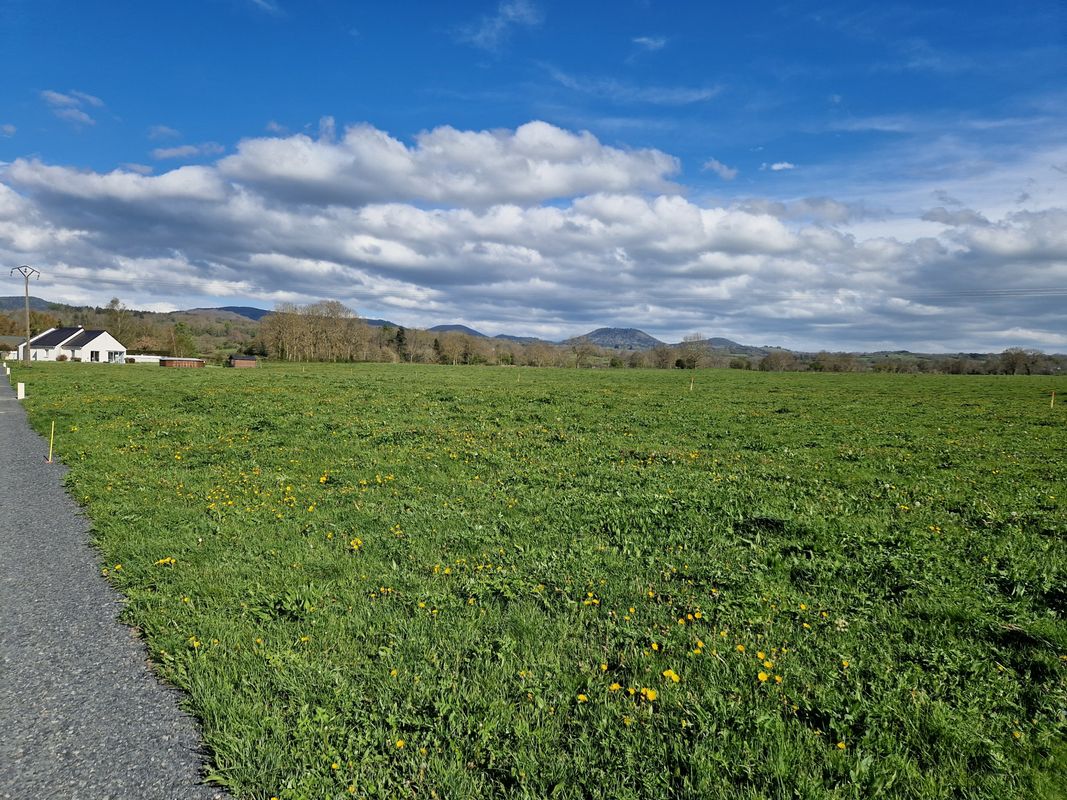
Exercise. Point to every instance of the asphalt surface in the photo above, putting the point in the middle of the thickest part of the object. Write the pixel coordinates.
(81, 716)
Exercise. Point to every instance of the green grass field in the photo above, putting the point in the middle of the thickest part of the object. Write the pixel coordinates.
(434, 582)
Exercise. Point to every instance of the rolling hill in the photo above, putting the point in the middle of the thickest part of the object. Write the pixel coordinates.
(617, 339)
(456, 329)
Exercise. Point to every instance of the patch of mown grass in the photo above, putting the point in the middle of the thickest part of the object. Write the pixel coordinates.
(385, 581)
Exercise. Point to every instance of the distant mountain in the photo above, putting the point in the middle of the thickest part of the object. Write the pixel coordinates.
(247, 311)
(381, 323)
(227, 313)
(618, 339)
(456, 329)
(18, 302)
(722, 344)
(732, 347)
(521, 339)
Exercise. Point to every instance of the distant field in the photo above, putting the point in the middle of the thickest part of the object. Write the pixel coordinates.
(434, 582)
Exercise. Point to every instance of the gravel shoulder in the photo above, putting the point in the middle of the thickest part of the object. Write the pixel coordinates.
(81, 715)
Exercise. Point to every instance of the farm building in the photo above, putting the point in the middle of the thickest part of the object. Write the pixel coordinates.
(181, 362)
(76, 344)
(241, 361)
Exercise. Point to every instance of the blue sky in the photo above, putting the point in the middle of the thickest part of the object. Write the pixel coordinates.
(834, 175)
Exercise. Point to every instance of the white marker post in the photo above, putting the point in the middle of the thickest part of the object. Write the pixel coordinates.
(20, 391)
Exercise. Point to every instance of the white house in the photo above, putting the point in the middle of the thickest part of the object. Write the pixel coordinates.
(74, 343)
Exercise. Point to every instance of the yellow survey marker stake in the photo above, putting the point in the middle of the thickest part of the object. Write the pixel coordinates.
(51, 440)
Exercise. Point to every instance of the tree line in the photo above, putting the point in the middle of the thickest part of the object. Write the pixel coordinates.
(330, 331)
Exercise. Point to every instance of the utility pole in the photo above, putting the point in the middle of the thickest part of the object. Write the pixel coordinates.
(27, 273)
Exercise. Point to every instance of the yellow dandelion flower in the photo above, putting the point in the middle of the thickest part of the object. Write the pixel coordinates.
(627, 721)
(603, 667)
(761, 655)
(763, 676)
(740, 648)
(649, 694)
(803, 606)
(768, 663)
(844, 664)
(655, 646)
(399, 744)
(840, 745)
(583, 699)
(671, 675)
(777, 678)
(335, 765)
(614, 687)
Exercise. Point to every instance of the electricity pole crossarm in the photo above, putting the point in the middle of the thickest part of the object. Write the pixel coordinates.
(27, 273)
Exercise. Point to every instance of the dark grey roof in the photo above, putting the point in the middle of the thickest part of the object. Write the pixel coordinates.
(242, 357)
(82, 338)
(53, 338)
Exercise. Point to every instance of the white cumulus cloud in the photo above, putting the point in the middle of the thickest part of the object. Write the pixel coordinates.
(535, 230)
(720, 169)
(535, 162)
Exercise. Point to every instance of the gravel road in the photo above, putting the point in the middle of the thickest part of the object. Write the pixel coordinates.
(81, 716)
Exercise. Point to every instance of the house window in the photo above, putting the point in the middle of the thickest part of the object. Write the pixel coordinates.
(94, 355)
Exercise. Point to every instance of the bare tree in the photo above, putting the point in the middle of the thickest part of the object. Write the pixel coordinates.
(834, 362)
(778, 361)
(662, 357)
(583, 350)
(693, 351)
(1017, 361)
